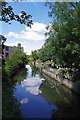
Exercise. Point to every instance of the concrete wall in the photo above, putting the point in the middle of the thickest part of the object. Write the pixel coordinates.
(69, 84)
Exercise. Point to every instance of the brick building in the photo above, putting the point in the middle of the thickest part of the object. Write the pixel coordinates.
(8, 51)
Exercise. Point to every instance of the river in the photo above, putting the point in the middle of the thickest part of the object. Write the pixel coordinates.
(41, 97)
(0, 89)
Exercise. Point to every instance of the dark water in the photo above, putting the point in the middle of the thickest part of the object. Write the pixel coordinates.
(0, 89)
(41, 98)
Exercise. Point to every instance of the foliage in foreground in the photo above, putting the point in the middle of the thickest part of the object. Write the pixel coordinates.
(7, 15)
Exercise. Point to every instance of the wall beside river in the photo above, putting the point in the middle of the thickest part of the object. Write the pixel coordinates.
(69, 84)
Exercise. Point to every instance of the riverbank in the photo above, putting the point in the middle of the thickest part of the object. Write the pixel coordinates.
(7, 76)
(29, 89)
(0, 93)
(15, 70)
(67, 83)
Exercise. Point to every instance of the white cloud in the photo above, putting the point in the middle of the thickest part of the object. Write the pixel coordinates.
(37, 27)
(10, 34)
(30, 39)
(23, 44)
(28, 46)
(27, 35)
(35, 33)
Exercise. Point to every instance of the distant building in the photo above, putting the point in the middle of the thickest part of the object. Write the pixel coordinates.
(21, 48)
(8, 51)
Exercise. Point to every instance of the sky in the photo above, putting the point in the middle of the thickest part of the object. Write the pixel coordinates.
(30, 39)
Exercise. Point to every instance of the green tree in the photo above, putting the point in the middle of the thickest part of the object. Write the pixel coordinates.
(18, 59)
(7, 15)
(65, 34)
(34, 55)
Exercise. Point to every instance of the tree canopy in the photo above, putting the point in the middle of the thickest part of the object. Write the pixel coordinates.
(63, 42)
(7, 15)
(66, 35)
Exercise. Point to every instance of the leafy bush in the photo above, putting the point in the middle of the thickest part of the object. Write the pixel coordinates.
(17, 59)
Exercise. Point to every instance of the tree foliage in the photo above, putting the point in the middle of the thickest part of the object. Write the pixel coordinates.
(18, 58)
(7, 15)
(34, 55)
(66, 34)
(63, 43)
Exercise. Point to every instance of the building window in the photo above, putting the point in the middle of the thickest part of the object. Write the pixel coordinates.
(7, 55)
(7, 48)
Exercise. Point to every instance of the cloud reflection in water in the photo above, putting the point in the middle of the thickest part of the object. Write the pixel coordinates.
(24, 101)
(32, 85)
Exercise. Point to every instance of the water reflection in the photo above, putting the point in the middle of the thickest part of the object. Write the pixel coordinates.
(0, 91)
(11, 107)
(24, 101)
(32, 85)
(66, 101)
(30, 98)
(34, 71)
(32, 82)
(20, 76)
(45, 98)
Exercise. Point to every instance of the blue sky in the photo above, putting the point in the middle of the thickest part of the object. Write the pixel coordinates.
(31, 39)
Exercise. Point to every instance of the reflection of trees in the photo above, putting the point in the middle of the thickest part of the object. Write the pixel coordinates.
(34, 71)
(0, 90)
(10, 109)
(21, 75)
(67, 103)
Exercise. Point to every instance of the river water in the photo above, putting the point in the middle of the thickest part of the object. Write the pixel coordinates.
(41, 97)
(0, 89)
